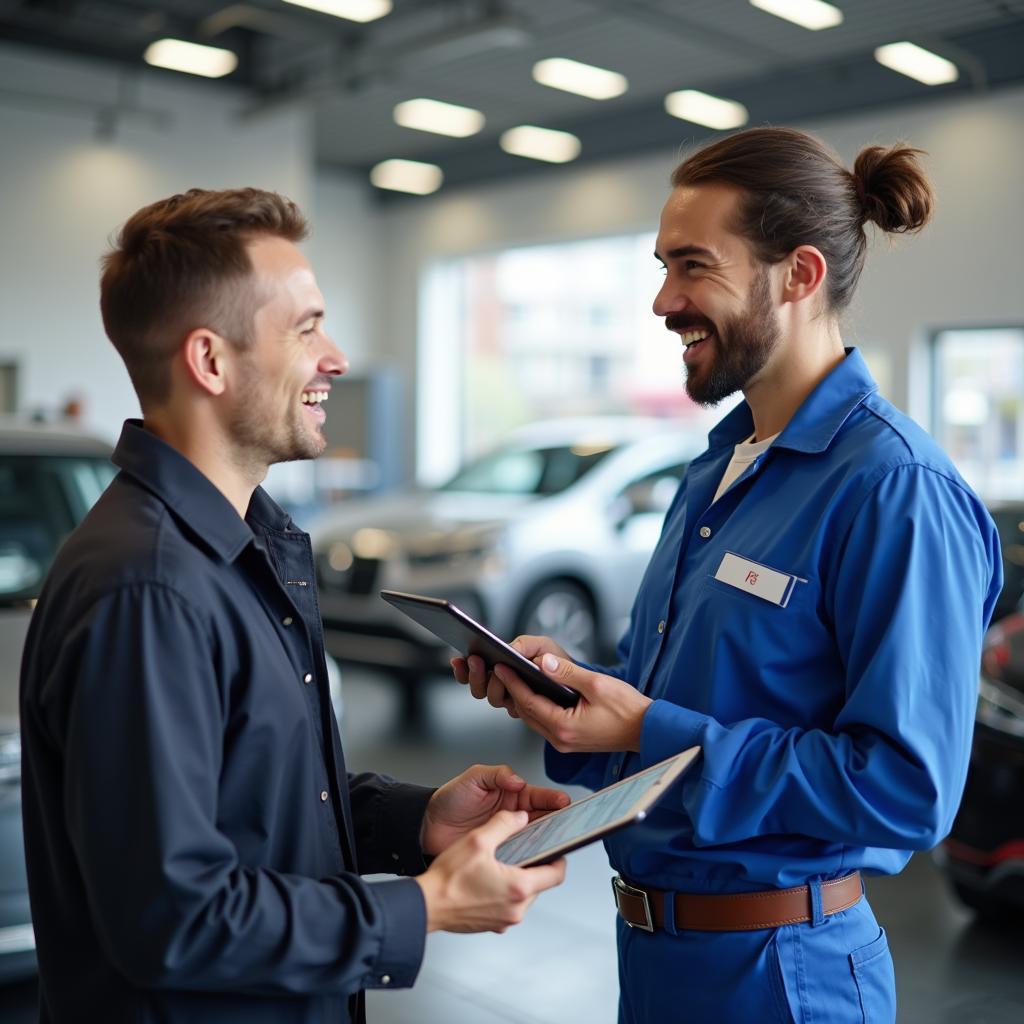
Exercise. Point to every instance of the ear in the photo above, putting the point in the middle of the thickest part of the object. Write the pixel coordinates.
(204, 356)
(804, 273)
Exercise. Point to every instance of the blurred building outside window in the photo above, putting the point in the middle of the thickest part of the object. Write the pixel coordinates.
(541, 332)
(978, 406)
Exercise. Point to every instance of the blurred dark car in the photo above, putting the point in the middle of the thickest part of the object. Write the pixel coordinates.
(548, 533)
(49, 479)
(983, 857)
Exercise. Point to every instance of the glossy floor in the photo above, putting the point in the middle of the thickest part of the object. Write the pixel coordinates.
(559, 965)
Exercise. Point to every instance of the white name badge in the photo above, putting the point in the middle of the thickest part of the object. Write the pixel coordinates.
(757, 579)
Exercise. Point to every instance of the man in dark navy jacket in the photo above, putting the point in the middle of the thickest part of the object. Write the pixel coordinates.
(194, 842)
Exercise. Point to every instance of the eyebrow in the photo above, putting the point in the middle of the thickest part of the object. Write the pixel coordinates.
(314, 312)
(683, 251)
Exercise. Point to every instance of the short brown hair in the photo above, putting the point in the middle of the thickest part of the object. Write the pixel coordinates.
(182, 263)
(796, 191)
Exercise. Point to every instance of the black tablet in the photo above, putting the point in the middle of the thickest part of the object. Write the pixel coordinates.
(455, 627)
(595, 816)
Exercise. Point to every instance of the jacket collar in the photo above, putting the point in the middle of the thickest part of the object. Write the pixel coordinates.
(190, 495)
(818, 419)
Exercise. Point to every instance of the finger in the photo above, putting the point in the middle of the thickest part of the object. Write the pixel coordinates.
(540, 798)
(478, 676)
(545, 876)
(568, 673)
(497, 695)
(499, 827)
(460, 670)
(505, 778)
(529, 704)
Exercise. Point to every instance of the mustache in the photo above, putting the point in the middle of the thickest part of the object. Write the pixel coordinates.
(681, 322)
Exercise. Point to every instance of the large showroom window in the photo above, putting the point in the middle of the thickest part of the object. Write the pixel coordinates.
(978, 406)
(540, 332)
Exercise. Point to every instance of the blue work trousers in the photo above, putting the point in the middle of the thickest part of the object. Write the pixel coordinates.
(838, 971)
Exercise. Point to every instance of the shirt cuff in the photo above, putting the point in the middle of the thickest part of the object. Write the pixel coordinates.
(403, 934)
(400, 821)
(669, 729)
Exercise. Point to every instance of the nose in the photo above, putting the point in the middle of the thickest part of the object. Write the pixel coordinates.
(670, 298)
(333, 362)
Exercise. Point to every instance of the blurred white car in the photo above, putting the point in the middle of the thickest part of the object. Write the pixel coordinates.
(49, 479)
(549, 533)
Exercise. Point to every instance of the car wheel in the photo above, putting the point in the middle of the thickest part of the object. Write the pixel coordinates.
(565, 612)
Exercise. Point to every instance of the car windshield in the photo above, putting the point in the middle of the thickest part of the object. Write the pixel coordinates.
(528, 470)
(42, 499)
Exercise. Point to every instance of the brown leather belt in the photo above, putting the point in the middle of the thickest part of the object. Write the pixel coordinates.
(644, 908)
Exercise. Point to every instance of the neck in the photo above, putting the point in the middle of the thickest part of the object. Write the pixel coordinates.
(797, 366)
(205, 446)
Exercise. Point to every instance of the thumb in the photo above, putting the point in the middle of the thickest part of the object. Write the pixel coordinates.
(500, 826)
(565, 671)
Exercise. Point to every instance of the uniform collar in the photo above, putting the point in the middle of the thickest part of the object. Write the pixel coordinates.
(818, 419)
(190, 495)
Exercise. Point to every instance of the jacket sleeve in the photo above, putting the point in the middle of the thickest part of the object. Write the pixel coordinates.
(910, 590)
(143, 730)
(387, 818)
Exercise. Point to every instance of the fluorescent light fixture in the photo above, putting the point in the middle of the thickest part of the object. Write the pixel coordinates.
(582, 79)
(710, 111)
(918, 63)
(440, 118)
(193, 59)
(812, 14)
(352, 10)
(540, 144)
(407, 176)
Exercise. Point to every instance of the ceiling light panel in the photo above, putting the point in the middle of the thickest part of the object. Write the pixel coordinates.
(410, 176)
(812, 14)
(582, 79)
(441, 118)
(540, 144)
(710, 111)
(918, 63)
(191, 58)
(351, 10)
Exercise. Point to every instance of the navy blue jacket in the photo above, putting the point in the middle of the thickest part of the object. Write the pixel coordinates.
(193, 839)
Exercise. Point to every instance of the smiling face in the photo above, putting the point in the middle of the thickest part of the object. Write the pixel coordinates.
(281, 381)
(717, 297)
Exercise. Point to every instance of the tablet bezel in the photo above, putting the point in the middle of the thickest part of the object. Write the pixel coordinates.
(477, 639)
(670, 769)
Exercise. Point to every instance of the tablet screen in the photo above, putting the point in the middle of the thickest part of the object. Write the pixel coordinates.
(594, 816)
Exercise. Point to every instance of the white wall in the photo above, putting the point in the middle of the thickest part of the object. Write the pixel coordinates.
(964, 269)
(65, 191)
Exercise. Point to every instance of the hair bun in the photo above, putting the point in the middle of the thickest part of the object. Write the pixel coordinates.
(893, 189)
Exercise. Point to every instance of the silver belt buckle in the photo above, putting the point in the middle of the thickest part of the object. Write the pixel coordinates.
(625, 889)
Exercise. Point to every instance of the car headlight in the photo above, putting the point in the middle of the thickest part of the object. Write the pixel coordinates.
(457, 551)
(10, 758)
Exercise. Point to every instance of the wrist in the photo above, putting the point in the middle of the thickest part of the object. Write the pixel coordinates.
(637, 731)
(433, 900)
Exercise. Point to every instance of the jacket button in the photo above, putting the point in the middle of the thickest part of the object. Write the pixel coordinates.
(323, 796)
(705, 532)
(385, 979)
(308, 677)
(287, 620)
(661, 626)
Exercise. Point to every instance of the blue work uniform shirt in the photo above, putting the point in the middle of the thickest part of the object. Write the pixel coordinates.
(835, 726)
(193, 839)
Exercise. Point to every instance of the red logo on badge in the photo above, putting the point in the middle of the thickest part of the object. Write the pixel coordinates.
(751, 578)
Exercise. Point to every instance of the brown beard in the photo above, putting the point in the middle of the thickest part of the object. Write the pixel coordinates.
(743, 345)
(264, 441)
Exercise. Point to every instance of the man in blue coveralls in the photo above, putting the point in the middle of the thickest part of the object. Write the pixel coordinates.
(812, 615)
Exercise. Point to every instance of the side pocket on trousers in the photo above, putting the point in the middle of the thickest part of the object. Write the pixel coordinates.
(876, 982)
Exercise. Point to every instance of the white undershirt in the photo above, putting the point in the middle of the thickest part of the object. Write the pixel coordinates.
(743, 455)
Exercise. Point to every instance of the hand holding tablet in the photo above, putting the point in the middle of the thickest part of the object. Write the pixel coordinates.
(594, 817)
(452, 625)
